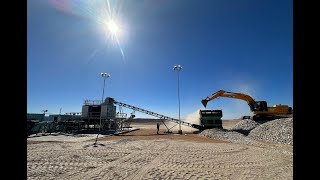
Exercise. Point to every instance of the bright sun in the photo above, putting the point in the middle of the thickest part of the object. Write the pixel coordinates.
(113, 31)
(113, 27)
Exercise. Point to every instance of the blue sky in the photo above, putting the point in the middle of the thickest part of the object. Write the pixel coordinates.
(239, 46)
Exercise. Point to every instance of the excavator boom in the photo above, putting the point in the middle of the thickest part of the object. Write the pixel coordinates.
(223, 93)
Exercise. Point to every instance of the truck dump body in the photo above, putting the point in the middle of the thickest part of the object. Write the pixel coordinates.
(211, 118)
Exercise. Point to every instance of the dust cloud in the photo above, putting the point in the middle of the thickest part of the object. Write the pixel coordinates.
(193, 118)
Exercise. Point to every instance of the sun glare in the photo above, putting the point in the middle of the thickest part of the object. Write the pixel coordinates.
(114, 30)
(113, 27)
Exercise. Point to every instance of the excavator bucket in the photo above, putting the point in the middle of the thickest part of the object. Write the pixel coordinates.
(204, 102)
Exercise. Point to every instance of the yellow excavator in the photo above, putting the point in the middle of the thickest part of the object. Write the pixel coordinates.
(260, 109)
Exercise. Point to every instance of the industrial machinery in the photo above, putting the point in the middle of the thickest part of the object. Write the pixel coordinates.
(209, 118)
(259, 108)
(96, 112)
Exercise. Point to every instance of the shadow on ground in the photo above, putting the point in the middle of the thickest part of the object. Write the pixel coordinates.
(141, 134)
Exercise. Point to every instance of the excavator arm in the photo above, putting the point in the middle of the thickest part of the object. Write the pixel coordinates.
(254, 106)
(212, 97)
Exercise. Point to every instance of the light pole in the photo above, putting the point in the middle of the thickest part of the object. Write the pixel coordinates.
(104, 76)
(178, 68)
(44, 130)
(44, 113)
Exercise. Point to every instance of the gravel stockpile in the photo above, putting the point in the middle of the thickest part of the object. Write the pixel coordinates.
(276, 131)
(245, 126)
(226, 135)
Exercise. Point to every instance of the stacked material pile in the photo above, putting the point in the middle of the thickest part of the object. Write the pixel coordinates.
(276, 131)
(226, 135)
(247, 131)
(245, 126)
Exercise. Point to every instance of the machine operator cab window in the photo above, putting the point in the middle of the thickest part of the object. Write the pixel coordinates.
(261, 106)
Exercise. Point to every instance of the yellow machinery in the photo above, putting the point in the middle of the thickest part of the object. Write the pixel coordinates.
(259, 108)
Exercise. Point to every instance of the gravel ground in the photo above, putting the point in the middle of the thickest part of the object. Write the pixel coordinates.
(156, 159)
(143, 154)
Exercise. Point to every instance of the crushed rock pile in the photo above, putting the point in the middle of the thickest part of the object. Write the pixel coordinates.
(245, 126)
(226, 135)
(248, 131)
(276, 131)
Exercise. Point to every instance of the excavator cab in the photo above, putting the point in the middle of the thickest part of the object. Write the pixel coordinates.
(258, 106)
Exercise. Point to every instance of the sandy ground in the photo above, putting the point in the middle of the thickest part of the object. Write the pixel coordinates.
(142, 154)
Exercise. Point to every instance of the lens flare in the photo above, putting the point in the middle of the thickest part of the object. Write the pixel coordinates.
(104, 14)
(113, 27)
